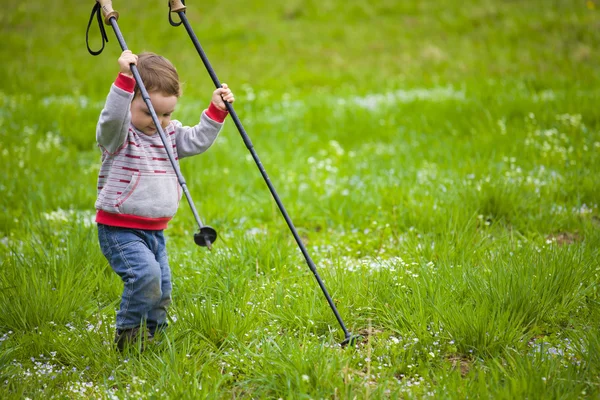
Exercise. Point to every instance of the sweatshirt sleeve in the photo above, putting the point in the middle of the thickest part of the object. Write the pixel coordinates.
(197, 139)
(113, 124)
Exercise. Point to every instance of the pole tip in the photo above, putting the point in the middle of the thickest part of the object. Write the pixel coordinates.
(205, 237)
(351, 340)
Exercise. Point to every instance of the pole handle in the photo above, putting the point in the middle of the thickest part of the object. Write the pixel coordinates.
(176, 6)
(107, 11)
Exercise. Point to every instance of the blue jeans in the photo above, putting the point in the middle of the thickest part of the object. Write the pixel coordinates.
(139, 257)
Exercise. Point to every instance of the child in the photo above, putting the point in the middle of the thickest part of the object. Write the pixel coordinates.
(138, 191)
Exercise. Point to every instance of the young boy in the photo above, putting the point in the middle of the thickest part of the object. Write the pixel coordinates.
(138, 191)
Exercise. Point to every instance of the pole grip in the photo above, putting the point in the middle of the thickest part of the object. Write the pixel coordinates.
(107, 11)
(176, 6)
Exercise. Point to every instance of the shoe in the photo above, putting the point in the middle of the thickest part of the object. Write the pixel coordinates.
(156, 329)
(128, 337)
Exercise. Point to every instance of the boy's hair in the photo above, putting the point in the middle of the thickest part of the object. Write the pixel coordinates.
(158, 75)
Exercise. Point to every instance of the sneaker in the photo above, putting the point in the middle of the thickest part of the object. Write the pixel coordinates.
(156, 329)
(128, 337)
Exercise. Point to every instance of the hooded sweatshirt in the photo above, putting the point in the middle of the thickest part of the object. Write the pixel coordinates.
(137, 184)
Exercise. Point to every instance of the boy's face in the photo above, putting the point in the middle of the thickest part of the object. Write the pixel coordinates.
(140, 115)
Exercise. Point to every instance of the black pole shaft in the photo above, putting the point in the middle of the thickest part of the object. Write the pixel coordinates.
(250, 147)
(163, 137)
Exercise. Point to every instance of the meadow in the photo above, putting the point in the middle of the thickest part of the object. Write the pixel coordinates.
(439, 159)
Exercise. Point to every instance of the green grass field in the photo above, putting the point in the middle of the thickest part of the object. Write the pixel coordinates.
(439, 159)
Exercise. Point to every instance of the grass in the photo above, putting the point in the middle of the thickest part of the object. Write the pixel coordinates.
(438, 159)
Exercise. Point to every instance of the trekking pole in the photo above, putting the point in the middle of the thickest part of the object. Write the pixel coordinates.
(177, 6)
(205, 235)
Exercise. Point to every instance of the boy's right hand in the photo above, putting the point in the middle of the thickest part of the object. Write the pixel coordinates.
(127, 58)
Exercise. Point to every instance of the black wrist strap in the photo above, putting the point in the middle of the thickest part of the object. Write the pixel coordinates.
(173, 23)
(96, 10)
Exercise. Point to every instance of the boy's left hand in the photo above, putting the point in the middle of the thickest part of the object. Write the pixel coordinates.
(222, 95)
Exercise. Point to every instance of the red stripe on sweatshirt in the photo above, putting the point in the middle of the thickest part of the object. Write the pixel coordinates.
(118, 174)
(131, 221)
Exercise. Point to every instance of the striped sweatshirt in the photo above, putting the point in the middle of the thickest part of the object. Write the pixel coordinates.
(137, 185)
